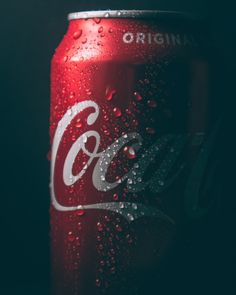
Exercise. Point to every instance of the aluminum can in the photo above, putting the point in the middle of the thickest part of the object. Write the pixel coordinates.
(131, 134)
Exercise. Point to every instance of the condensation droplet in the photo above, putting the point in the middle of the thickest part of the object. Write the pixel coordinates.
(129, 181)
(110, 30)
(117, 112)
(70, 236)
(98, 282)
(118, 228)
(77, 34)
(121, 205)
(129, 239)
(97, 20)
(79, 123)
(134, 206)
(84, 40)
(115, 197)
(160, 182)
(85, 138)
(130, 152)
(110, 93)
(79, 226)
(99, 226)
(136, 165)
(128, 111)
(80, 212)
(65, 58)
(100, 30)
(130, 217)
(137, 96)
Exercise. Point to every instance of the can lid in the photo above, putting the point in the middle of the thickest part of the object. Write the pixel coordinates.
(130, 14)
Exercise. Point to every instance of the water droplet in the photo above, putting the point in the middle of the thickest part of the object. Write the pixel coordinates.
(128, 111)
(110, 93)
(119, 13)
(79, 226)
(72, 95)
(98, 282)
(100, 30)
(106, 132)
(118, 228)
(152, 103)
(70, 237)
(150, 130)
(117, 112)
(102, 262)
(105, 117)
(130, 217)
(161, 183)
(79, 123)
(107, 14)
(99, 226)
(85, 138)
(134, 206)
(130, 152)
(97, 20)
(110, 30)
(129, 239)
(100, 247)
(115, 197)
(65, 58)
(84, 40)
(121, 205)
(77, 34)
(137, 96)
(136, 165)
(129, 181)
(102, 178)
(80, 212)
(139, 179)
(107, 218)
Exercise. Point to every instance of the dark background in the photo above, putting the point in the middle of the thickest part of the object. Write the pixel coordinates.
(30, 32)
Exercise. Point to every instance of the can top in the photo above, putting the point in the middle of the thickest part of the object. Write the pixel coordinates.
(130, 14)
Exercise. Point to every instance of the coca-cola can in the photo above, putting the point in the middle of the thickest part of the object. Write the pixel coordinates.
(131, 135)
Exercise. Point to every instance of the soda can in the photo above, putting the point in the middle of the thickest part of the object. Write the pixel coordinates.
(131, 135)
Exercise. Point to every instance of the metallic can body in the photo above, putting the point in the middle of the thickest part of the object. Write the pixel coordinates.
(129, 126)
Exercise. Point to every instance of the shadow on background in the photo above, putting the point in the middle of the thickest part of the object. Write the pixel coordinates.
(31, 31)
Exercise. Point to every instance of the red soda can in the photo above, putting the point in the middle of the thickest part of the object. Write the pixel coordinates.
(130, 131)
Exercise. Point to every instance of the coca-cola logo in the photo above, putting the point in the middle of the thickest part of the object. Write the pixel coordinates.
(133, 178)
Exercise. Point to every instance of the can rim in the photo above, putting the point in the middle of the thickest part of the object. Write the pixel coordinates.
(130, 14)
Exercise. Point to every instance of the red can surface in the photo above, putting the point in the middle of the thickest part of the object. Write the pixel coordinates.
(130, 134)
